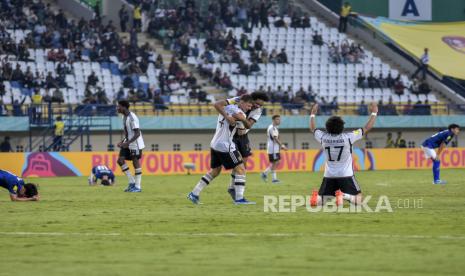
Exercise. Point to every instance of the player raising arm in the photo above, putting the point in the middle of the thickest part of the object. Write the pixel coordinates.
(339, 179)
(439, 141)
(18, 190)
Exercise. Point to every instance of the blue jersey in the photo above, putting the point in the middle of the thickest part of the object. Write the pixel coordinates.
(10, 182)
(100, 171)
(437, 139)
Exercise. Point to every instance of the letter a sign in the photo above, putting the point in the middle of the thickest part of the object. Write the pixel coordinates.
(410, 10)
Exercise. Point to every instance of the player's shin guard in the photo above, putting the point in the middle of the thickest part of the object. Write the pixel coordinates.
(239, 186)
(436, 165)
(203, 182)
(138, 174)
(126, 171)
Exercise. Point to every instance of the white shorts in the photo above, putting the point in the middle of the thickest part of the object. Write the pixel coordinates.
(429, 153)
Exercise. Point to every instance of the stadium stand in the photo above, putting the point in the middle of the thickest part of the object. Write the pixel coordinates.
(298, 60)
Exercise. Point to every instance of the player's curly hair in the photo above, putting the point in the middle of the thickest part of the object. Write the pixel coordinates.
(105, 182)
(260, 96)
(31, 190)
(335, 125)
(452, 126)
(124, 103)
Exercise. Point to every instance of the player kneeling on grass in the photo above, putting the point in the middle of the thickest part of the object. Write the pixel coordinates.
(18, 190)
(224, 152)
(104, 174)
(339, 179)
(439, 141)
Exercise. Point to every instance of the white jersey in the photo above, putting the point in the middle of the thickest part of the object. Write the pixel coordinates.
(130, 123)
(338, 152)
(253, 114)
(271, 133)
(223, 139)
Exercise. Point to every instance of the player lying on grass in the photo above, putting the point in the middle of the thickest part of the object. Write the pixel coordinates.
(438, 141)
(18, 190)
(241, 138)
(224, 152)
(339, 179)
(104, 174)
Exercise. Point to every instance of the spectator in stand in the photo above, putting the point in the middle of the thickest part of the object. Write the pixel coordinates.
(5, 146)
(317, 39)
(241, 91)
(282, 56)
(264, 11)
(399, 86)
(3, 108)
(344, 16)
(361, 80)
(254, 17)
(424, 88)
(159, 103)
(280, 23)
(305, 23)
(123, 18)
(258, 44)
(372, 82)
(225, 82)
(120, 95)
(408, 107)
(381, 81)
(398, 139)
(203, 97)
(244, 42)
(92, 79)
(389, 80)
(415, 86)
(17, 106)
(255, 68)
(191, 80)
(423, 67)
(47, 98)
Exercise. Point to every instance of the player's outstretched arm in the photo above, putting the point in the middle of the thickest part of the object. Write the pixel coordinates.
(16, 198)
(371, 121)
(312, 117)
(219, 106)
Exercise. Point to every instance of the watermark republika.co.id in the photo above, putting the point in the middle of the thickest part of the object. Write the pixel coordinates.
(369, 204)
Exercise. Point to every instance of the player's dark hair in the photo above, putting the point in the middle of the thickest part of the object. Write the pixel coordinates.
(105, 182)
(246, 98)
(335, 125)
(452, 126)
(124, 103)
(30, 190)
(260, 96)
(275, 116)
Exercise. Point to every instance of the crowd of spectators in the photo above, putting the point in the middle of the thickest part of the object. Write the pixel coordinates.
(396, 84)
(344, 53)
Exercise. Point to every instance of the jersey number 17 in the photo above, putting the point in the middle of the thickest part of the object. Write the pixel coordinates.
(341, 148)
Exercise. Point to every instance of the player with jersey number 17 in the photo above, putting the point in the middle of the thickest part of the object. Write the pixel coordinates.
(339, 179)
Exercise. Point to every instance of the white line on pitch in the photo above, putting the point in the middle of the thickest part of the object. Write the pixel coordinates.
(153, 234)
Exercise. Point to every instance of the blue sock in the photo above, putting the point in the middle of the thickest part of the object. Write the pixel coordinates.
(436, 164)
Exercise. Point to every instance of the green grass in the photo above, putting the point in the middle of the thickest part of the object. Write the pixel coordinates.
(154, 232)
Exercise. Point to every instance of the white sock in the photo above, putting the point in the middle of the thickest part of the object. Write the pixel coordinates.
(273, 174)
(239, 186)
(348, 197)
(267, 170)
(125, 169)
(231, 184)
(138, 177)
(203, 182)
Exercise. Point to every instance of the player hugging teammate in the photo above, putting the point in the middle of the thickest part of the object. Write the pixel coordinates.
(227, 149)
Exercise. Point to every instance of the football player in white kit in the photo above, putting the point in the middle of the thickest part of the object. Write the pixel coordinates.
(274, 145)
(339, 179)
(131, 147)
(224, 152)
(241, 138)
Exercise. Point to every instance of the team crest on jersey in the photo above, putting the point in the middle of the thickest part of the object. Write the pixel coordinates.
(455, 42)
(363, 159)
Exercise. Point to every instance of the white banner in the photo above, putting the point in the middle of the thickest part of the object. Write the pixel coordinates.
(410, 10)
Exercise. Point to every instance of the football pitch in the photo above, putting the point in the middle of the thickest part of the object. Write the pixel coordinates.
(80, 230)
